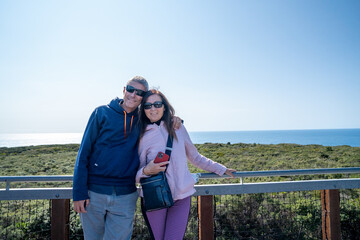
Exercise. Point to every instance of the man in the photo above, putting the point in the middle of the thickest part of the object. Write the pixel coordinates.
(104, 191)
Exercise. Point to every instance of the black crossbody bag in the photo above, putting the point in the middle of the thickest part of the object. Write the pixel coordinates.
(156, 190)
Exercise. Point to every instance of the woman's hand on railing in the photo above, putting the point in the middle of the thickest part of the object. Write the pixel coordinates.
(229, 172)
(80, 206)
(154, 168)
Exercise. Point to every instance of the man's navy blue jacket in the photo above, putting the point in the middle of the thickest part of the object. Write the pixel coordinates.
(108, 153)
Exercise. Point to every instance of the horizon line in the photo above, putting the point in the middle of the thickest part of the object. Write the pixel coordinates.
(259, 130)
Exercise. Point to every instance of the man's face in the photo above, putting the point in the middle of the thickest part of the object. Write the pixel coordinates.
(132, 100)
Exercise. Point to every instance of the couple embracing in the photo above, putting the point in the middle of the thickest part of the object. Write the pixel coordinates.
(120, 143)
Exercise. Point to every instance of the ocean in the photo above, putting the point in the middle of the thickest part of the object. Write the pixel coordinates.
(325, 137)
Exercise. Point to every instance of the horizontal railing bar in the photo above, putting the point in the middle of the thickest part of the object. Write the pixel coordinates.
(285, 172)
(55, 178)
(268, 187)
(211, 189)
(64, 178)
(36, 193)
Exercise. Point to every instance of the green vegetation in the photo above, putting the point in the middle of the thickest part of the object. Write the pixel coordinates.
(60, 159)
(255, 216)
(38, 160)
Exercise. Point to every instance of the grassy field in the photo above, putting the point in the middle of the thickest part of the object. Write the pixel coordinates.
(60, 159)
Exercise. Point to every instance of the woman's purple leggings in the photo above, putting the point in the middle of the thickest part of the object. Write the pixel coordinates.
(170, 223)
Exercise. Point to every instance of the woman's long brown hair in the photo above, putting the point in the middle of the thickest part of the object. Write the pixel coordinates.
(167, 117)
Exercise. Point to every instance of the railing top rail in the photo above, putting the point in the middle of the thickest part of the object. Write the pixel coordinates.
(54, 178)
(295, 172)
(64, 178)
(210, 189)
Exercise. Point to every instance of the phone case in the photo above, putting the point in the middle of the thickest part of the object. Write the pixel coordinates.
(161, 157)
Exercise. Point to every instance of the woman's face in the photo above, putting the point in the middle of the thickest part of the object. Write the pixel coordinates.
(155, 112)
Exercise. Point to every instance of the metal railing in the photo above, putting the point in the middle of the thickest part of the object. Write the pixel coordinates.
(206, 192)
(212, 189)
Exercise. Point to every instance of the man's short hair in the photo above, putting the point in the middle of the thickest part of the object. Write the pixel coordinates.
(140, 80)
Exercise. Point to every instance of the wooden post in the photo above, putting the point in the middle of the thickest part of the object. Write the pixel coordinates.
(206, 217)
(330, 203)
(60, 212)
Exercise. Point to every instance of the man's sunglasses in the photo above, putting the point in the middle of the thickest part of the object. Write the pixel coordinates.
(157, 104)
(139, 92)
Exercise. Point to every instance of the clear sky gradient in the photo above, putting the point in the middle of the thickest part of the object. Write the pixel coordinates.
(224, 65)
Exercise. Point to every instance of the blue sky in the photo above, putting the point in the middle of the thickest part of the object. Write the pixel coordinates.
(224, 65)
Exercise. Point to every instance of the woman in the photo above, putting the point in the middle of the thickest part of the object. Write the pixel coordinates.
(155, 126)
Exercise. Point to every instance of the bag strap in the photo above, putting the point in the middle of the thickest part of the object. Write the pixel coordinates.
(169, 148)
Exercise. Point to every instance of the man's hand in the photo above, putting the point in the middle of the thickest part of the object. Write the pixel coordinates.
(79, 206)
(176, 122)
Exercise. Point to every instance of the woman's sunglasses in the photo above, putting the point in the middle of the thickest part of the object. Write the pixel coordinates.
(157, 104)
(139, 92)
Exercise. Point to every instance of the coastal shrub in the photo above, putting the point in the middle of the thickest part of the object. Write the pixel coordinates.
(255, 216)
(36, 226)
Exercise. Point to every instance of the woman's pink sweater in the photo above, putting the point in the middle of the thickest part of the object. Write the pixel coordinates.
(178, 175)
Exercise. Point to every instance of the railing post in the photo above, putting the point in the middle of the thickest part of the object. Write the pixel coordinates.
(60, 212)
(206, 217)
(330, 203)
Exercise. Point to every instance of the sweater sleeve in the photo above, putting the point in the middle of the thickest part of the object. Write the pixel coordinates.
(144, 148)
(80, 188)
(143, 156)
(199, 160)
